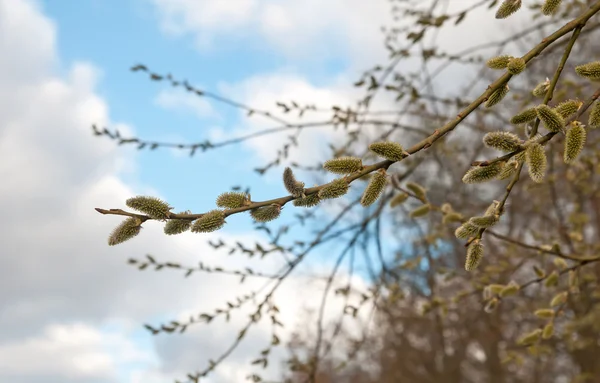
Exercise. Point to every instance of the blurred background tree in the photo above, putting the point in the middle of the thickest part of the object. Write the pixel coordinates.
(526, 309)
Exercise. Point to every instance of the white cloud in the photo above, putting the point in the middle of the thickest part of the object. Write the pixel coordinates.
(181, 101)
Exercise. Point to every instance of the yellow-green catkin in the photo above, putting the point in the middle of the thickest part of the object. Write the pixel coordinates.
(335, 189)
(591, 70)
(507, 8)
(499, 62)
(525, 116)
(574, 142)
(491, 306)
(417, 190)
(480, 174)
(511, 289)
(343, 165)
(560, 263)
(508, 169)
(552, 120)
(594, 119)
(398, 199)
(552, 279)
(504, 141)
(151, 206)
(541, 89)
(420, 211)
(451, 217)
(392, 151)
(568, 108)
(466, 230)
(474, 255)
(531, 337)
(375, 188)
(544, 313)
(484, 221)
(294, 187)
(209, 222)
(548, 331)
(497, 96)
(232, 200)
(308, 201)
(550, 7)
(128, 229)
(178, 226)
(536, 160)
(266, 213)
(516, 65)
(559, 299)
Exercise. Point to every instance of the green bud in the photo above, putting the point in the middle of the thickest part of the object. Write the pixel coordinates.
(399, 199)
(499, 62)
(266, 213)
(232, 200)
(496, 288)
(496, 96)
(480, 174)
(544, 313)
(536, 162)
(548, 331)
(334, 189)
(574, 142)
(539, 272)
(295, 188)
(541, 89)
(128, 229)
(420, 211)
(552, 279)
(417, 190)
(568, 108)
(594, 120)
(451, 217)
(178, 226)
(466, 230)
(375, 188)
(516, 66)
(474, 255)
(590, 70)
(524, 116)
(531, 337)
(308, 201)
(391, 151)
(550, 7)
(560, 263)
(491, 305)
(209, 222)
(511, 289)
(552, 120)
(343, 165)
(504, 141)
(559, 299)
(151, 206)
(507, 8)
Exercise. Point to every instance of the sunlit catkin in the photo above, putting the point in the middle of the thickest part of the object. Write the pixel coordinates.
(552, 120)
(232, 200)
(177, 226)
(507, 8)
(209, 222)
(420, 211)
(550, 7)
(590, 70)
(474, 255)
(466, 230)
(151, 206)
(398, 199)
(497, 96)
(266, 213)
(417, 190)
(544, 313)
(335, 189)
(343, 165)
(568, 108)
(594, 119)
(294, 187)
(479, 174)
(552, 279)
(375, 188)
(559, 299)
(308, 201)
(536, 160)
(524, 116)
(128, 229)
(531, 337)
(548, 331)
(499, 62)
(484, 221)
(392, 151)
(541, 89)
(574, 142)
(516, 65)
(511, 289)
(504, 141)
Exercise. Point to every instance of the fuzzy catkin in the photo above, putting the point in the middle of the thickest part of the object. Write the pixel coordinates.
(574, 142)
(151, 206)
(398, 199)
(568, 108)
(209, 222)
(484, 221)
(508, 169)
(420, 211)
(497, 96)
(536, 160)
(266, 213)
(232, 200)
(527, 115)
(507, 8)
(516, 66)
(308, 201)
(466, 230)
(417, 189)
(334, 189)
(504, 141)
(551, 118)
(391, 151)
(594, 119)
(375, 188)
(550, 7)
(294, 187)
(590, 70)
(343, 165)
(177, 226)
(474, 255)
(499, 62)
(128, 229)
(480, 174)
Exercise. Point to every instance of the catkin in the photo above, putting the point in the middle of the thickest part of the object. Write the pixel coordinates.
(574, 142)
(128, 229)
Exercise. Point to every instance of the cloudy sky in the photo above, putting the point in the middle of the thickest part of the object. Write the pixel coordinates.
(71, 310)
